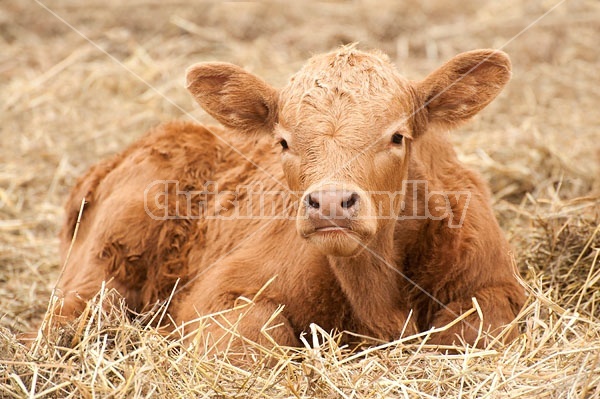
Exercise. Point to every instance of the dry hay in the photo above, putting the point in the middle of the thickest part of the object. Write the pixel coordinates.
(65, 104)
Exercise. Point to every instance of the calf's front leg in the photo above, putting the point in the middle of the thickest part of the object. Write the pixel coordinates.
(499, 306)
(231, 330)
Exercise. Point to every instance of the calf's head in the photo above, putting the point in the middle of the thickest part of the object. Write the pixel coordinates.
(345, 124)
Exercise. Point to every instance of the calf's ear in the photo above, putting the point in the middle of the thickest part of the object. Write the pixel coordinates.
(236, 98)
(463, 86)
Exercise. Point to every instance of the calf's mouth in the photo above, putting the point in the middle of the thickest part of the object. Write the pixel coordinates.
(334, 217)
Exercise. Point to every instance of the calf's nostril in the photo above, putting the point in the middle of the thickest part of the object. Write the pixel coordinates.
(350, 201)
(312, 201)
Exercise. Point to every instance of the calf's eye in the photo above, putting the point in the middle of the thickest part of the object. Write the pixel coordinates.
(284, 144)
(397, 138)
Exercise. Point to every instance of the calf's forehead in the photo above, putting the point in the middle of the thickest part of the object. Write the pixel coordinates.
(344, 90)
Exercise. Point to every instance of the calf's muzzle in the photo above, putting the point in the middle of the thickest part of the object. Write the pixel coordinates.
(331, 208)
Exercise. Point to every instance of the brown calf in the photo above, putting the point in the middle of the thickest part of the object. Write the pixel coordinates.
(385, 219)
